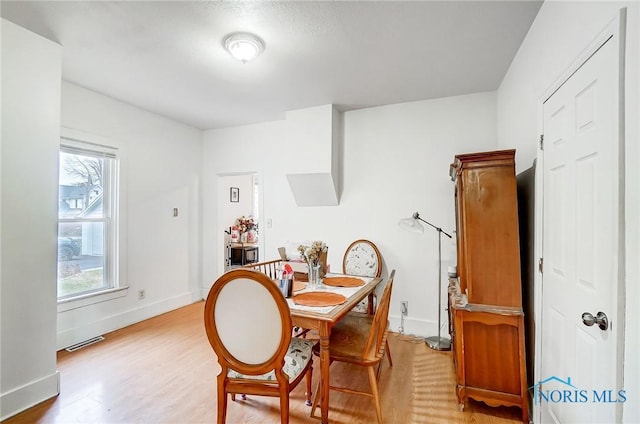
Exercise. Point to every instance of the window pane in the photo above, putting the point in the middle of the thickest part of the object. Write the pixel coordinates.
(85, 223)
(80, 190)
(81, 266)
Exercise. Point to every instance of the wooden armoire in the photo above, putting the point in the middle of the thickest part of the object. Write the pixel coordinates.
(485, 300)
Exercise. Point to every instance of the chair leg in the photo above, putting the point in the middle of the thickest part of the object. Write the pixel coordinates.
(308, 378)
(284, 406)
(316, 398)
(222, 401)
(388, 353)
(374, 390)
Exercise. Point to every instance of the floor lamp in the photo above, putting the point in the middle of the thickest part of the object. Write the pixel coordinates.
(413, 224)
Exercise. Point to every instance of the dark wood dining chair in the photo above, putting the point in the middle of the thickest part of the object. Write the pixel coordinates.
(248, 324)
(363, 258)
(361, 340)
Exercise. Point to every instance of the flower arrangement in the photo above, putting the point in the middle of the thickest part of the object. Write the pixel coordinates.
(244, 224)
(311, 254)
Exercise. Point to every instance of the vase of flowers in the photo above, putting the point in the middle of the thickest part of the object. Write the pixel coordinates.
(315, 256)
(245, 225)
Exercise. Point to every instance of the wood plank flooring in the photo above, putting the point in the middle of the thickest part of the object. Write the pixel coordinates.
(163, 371)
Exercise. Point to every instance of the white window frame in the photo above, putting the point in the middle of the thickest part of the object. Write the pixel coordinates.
(111, 187)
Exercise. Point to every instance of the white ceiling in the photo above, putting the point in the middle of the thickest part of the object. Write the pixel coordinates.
(167, 56)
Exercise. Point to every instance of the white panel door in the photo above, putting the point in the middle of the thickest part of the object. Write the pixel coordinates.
(582, 194)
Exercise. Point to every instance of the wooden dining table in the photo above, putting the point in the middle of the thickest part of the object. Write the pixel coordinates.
(324, 318)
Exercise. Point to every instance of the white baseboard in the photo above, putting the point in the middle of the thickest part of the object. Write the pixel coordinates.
(31, 394)
(418, 327)
(114, 322)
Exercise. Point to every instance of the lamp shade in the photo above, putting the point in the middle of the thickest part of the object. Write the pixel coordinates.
(411, 224)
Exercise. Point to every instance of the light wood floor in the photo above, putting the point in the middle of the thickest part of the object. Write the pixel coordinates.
(163, 371)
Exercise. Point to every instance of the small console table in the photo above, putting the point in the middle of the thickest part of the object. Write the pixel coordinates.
(241, 254)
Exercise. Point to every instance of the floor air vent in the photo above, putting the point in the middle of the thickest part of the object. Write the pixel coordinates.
(85, 343)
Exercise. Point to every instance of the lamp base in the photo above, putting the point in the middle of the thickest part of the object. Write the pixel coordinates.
(438, 343)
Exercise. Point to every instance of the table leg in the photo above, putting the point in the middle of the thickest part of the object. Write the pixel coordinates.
(325, 332)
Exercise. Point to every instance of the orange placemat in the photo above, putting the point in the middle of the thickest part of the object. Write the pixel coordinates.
(318, 299)
(298, 285)
(343, 281)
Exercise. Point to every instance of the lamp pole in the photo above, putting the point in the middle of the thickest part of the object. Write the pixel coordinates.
(437, 342)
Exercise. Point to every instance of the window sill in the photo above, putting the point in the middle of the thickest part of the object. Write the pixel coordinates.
(91, 299)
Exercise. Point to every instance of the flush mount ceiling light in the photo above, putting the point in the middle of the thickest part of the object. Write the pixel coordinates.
(243, 46)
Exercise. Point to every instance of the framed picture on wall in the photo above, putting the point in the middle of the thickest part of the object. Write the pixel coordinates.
(234, 195)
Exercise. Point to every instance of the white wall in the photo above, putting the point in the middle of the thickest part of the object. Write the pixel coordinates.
(561, 31)
(395, 161)
(220, 158)
(160, 170)
(31, 69)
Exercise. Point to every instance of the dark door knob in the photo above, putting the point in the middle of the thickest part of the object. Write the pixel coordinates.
(600, 319)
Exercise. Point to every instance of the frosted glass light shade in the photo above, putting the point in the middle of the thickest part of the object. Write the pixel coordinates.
(243, 46)
(412, 224)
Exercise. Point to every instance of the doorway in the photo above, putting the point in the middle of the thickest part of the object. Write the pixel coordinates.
(239, 195)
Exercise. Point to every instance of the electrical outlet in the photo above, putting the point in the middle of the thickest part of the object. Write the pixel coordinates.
(141, 294)
(404, 308)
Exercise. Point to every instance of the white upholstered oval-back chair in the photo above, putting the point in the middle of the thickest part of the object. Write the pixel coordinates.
(248, 324)
(362, 257)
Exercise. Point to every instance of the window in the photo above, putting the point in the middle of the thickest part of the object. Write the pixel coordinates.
(87, 219)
